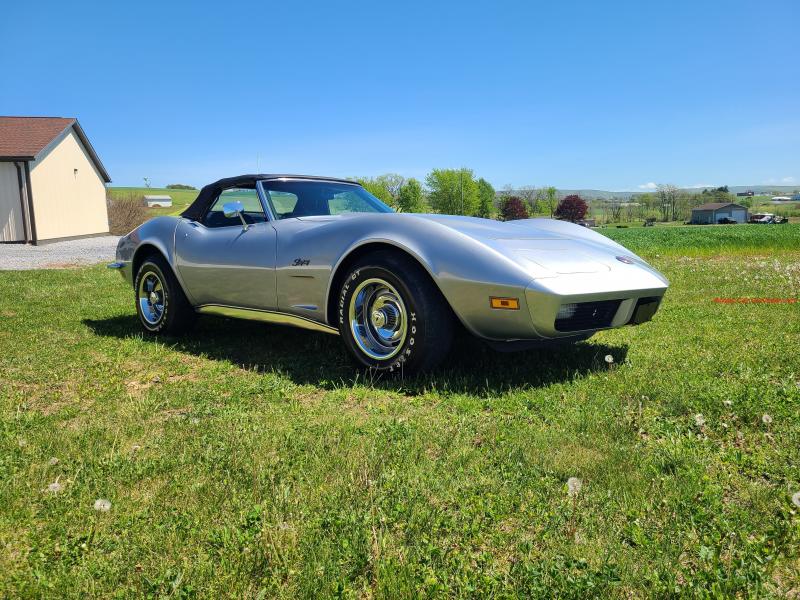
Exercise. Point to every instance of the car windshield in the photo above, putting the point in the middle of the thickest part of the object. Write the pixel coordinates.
(296, 198)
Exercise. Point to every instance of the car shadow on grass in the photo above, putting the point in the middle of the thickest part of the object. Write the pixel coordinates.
(319, 359)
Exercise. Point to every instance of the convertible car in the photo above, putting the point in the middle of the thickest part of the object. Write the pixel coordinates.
(324, 254)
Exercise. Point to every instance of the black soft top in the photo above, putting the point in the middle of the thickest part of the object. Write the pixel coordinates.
(197, 209)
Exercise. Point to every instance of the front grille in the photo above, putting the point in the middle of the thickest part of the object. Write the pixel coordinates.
(644, 310)
(586, 315)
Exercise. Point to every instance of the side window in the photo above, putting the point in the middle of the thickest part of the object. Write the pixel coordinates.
(283, 203)
(253, 212)
(348, 202)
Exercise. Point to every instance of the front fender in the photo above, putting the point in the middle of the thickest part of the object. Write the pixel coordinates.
(467, 272)
(158, 234)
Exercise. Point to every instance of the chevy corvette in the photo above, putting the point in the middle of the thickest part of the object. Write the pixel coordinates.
(324, 254)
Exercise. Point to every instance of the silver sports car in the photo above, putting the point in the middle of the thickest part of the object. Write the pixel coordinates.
(325, 254)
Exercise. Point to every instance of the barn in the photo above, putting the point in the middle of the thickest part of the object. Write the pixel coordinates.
(714, 212)
(52, 183)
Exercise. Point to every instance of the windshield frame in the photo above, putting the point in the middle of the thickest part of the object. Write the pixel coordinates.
(262, 186)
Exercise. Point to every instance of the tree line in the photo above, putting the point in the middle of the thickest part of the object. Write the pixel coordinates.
(460, 192)
(446, 191)
(666, 203)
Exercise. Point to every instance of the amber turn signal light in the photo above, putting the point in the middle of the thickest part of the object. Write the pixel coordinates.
(504, 303)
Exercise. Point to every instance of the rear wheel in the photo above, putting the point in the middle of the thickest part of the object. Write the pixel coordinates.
(392, 317)
(160, 302)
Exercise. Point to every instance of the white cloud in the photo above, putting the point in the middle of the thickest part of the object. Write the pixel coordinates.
(648, 186)
(788, 180)
(702, 185)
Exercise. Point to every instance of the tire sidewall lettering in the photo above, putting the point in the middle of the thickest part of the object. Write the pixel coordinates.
(143, 272)
(406, 353)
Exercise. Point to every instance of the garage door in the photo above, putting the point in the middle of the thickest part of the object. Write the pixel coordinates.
(11, 224)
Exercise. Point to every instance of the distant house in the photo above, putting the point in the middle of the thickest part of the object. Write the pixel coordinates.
(158, 201)
(781, 199)
(747, 194)
(796, 197)
(52, 183)
(714, 212)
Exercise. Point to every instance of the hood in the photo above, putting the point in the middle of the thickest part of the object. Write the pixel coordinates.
(545, 247)
(489, 229)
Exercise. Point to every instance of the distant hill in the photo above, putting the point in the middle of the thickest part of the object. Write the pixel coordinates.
(764, 189)
(599, 194)
(627, 195)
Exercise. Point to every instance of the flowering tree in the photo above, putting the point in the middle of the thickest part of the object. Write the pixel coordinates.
(572, 208)
(513, 208)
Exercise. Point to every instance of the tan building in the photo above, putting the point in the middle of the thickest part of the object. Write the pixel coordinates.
(52, 184)
(719, 212)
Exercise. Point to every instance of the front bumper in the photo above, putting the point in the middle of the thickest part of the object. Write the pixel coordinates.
(123, 268)
(626, 300)
(572, 304)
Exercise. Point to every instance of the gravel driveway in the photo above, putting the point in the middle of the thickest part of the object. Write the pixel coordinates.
(59, 255)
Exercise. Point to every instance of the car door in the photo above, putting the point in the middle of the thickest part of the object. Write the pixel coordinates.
(222, 261)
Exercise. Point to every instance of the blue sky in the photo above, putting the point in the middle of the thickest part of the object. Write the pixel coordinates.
(608, 95)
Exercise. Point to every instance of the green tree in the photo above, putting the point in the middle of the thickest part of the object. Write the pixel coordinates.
(392, 182)
(551, 199)
(667, 201)
(486, 195)
(410, 198)
(452, 191)
(378, 189)
(529, 195)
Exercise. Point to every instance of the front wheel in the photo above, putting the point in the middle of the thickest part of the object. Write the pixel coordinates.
(392, 317)
(160, 302)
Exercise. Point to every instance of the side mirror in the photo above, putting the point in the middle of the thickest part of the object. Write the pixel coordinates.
(231, 209)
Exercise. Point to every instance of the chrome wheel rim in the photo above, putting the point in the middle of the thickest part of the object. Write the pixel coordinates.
(378, 319)
(151, 298)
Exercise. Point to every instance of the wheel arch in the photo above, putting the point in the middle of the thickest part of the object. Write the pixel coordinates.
(341, 269)
(142, 252)
(147, 249)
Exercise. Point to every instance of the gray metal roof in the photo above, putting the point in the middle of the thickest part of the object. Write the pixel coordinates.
(717, 206)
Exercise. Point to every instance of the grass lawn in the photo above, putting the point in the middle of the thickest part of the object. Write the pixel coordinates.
(252, 461)
(705, 240)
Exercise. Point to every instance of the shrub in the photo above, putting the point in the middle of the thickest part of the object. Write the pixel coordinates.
(180, 186)
(513, 208)
(571, 208)
(125, 213)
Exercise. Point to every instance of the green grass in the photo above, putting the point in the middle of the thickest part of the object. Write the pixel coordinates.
(701, 240)
(252, 461)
